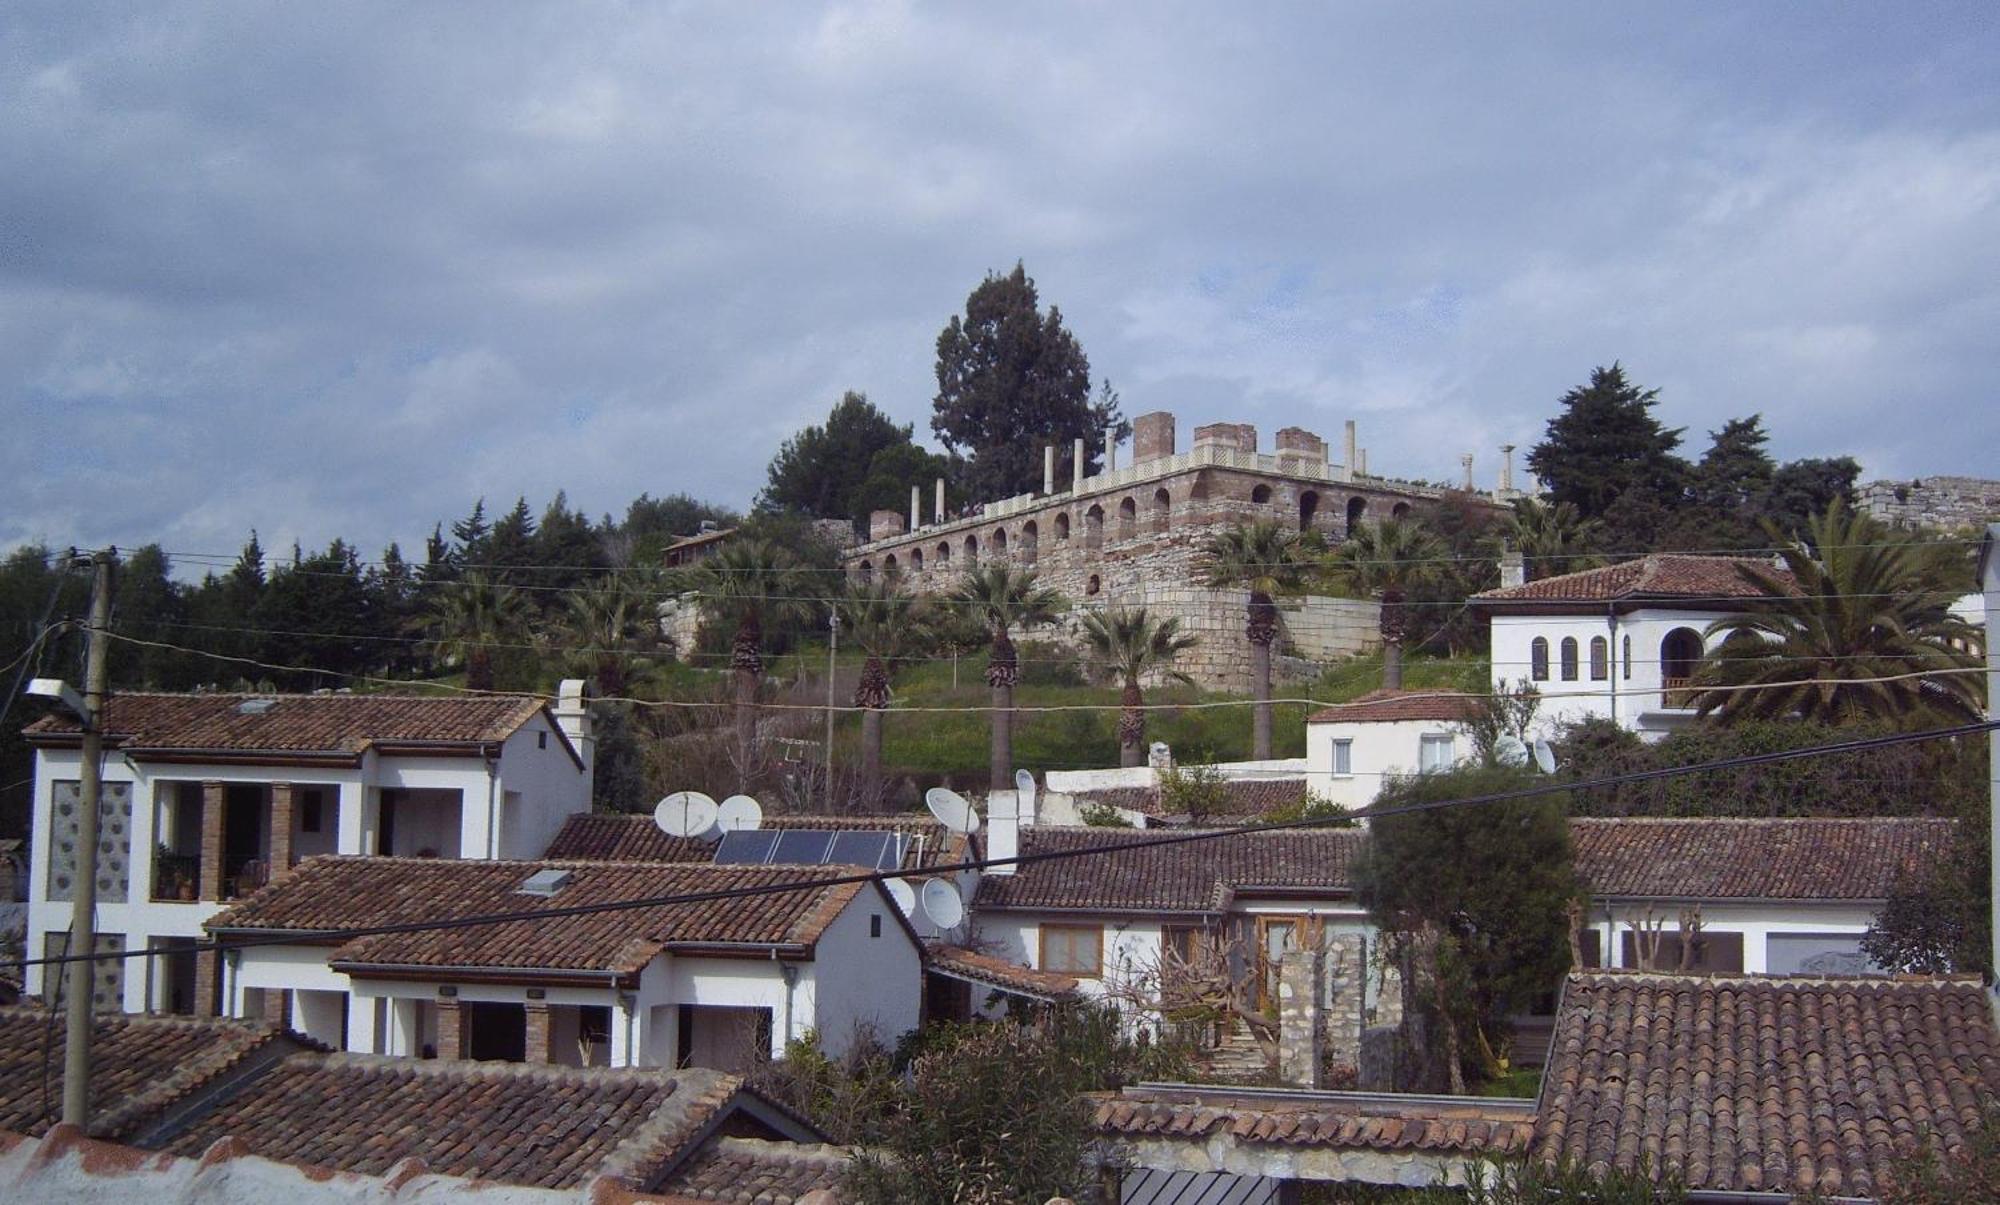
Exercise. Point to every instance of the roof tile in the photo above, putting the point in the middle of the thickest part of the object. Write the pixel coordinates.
(608, 837)
(1388, 706)
(343, 724)
(1661, 576)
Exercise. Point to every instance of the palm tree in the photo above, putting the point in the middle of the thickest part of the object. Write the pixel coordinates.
(608, 624)
(1265, 559)
(471, 617)
(1003, 598)
(1554, 538)
(1385, 560)
(885, 624)
(1129, 644)
(748, 584)
(1862, 630)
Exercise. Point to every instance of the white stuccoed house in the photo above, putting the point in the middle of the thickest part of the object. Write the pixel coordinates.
(209, 796)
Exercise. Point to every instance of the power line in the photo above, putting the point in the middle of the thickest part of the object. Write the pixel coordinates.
(1183, 837)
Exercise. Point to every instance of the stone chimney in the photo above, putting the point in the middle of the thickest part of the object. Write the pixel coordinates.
(1513, 569)
(1048, 469)
(884, 525)
(1003, 828)
(1152, 437)
(572, 712)
(1076, 468)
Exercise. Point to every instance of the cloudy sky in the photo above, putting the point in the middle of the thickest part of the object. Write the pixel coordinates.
(340, 269)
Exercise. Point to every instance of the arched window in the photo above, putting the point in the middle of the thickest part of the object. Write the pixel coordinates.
(1600, 659)
(1163, 509)
(944, 553)
(1062, 526)
(867, 572)
(916, 560)
(1260, 494)
(1356, 508)
(1308, 507)
(889, 567)
(998, 543)
(1400, 511)
(1569, 652)
(1091, 586)
(972, 550)
(1538, 659)
(1128, 518)
(1031, 542)
(1680, 652)
(1628, 656)
(1093, 527)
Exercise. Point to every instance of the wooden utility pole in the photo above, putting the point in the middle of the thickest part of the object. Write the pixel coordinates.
(82, 974)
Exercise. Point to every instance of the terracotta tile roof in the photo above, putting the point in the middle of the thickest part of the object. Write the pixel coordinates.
(607, 837)
(140, 1065)
(514, 1123)
(334, 893)
(301, 724)
(1194, 876)
(1660, 576)
(1247, 796)
(1461, 1127)
(1753, 1084)
(753, 1170)
(1008, 976)
(1388, 706)
(1755, 859)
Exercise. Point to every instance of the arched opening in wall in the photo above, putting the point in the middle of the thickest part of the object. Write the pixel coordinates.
(890, 569)
(1128, 519)
(997, 543)
(972, 550)
(1308, 507)
(1093, 527)
(1163, 509)
(916, 560)
(1091, 586)
(1600, 659)
(1031, 542)
(1680, 652)
(1569, 659)
(865, 571)
(1538, 659)
(1400, 511)
(1356, 508)
(1260, 494)
(943, 553)
(1062, 526)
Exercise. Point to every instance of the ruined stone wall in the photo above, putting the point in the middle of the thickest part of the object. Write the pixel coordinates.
(1945, 503)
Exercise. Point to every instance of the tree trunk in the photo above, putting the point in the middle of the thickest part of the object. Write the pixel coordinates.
(1260, 690)
(1002, 776)
(1392, 665)
(1131, 727)
(1392, 639)
(871, 745)
(479, 670)
(746, 721)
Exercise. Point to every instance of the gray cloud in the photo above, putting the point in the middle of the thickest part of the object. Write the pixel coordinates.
(342, 269)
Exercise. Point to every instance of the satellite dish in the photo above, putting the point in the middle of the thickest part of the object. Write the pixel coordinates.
(1545, 757)
(951, 810)
(904, 895)
(685, 814)
(942, 905)
(738, 812)
(1510, 751)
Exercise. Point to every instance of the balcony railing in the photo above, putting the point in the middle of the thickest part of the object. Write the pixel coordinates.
(175, 876)
(1677, 695)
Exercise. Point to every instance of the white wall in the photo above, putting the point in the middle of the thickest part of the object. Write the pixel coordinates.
(1757, 922)
(541, 786)
(859, 981)
(1633, 700)
(1380, 748)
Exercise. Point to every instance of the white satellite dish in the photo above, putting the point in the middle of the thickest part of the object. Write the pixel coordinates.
(685, 814)
(738, 812)
(942, 905)
(904, 895)
(1545, 757)
(951, 810)
(1510, 751)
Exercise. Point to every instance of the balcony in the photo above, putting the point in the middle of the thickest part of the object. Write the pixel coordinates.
(1676, 694)
(176, 877)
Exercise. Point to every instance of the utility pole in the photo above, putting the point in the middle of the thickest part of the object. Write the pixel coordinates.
(832, 648)
(82, 974)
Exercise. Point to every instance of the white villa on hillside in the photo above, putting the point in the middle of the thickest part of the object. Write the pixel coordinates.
(209, 796)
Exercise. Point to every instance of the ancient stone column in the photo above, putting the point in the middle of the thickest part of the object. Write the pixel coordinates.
(940, 500)
(1110, 449)
(1506, 468)
(1048, 469)
(1348, 449)
(916, 507)
(1076, 468)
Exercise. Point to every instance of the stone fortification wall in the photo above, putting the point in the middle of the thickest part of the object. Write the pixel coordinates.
(1946, 503)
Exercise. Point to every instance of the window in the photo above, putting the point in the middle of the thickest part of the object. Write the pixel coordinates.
(1628, 658)
(1343, 757)
(1538, 659)
(1717, 951)
(1569, 658)
(1434, 752)
(1073, 949)
(875, 924)
(310, 815)
(1600, 659)
(1261, 494)
(1180, 940)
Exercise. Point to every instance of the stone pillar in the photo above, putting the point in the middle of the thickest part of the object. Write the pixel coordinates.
(1301, 976)
(1152, 437)
(940, 500)
(364, 1027)
(1076, 467)
(284, 808)
(916, 507)
(1348, 448)
(275, 1013)
(1048, 469)
(1361, 462)
(1110, 449)
(451, 1030)
(1506, 469)
(1345, 1001)
(538, 1033)
(213, 800)
(207, 975)
(1466, 460)
(1513, 569)
(884, 525)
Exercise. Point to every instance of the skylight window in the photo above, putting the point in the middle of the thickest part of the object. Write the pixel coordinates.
(545, 882)
(255, 706)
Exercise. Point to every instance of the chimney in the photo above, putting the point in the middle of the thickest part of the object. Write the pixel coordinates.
(1048, 469)
(1076, 468)
(940, 499)
(1348, 449)
(1506, 469)
(1513, 569)
(1466, 460)
(572, 712)
(916, 507)
(1110, 449)
(1003, 828)
(1160, 756)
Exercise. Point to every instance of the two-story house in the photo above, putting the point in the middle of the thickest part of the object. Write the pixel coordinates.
(207, 797)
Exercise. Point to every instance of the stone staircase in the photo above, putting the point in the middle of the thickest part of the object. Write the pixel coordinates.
(1238, 1059)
